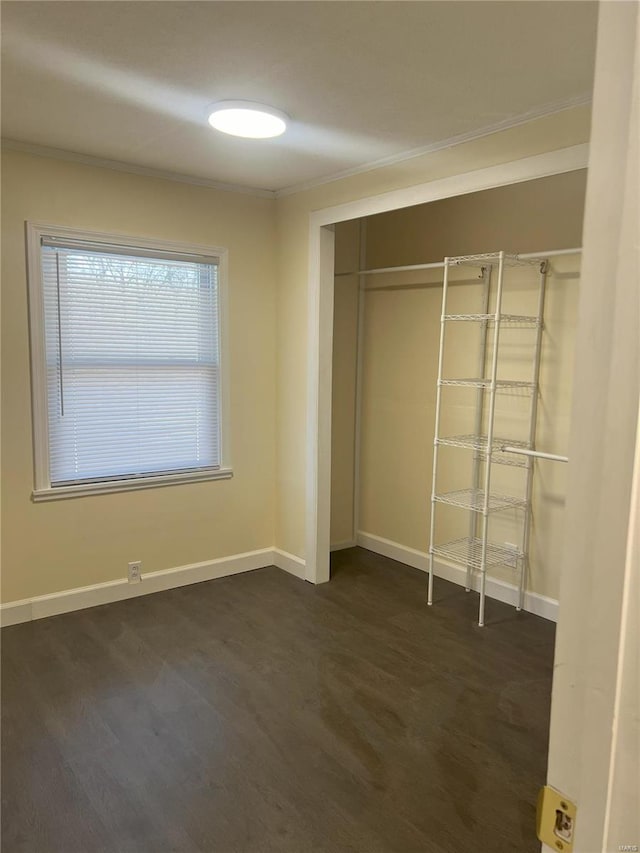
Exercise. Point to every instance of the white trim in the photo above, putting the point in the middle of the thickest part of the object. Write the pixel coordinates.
(46, 229)
(39, 404)
(499, 590)
(624, 675)
(43, 490)
(289, 563)
(515, 172)
(320, 366)
(16, 612)
(104, 593)
(320, 305)
(131, 168)
(342, 546)
(131, 485)
(224, 357)
(459, 139)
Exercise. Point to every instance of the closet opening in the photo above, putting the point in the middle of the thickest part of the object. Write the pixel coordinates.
(393, 384)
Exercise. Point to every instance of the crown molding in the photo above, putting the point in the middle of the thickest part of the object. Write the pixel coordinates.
(506, 124)
(150, 172)
(131, 168)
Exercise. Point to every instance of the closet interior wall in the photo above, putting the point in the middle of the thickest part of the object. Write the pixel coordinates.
(344, 504)
(381, 471)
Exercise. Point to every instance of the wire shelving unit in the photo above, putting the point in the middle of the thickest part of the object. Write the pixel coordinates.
(475, 552)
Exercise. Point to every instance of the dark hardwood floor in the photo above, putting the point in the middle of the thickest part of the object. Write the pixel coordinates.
(258, 714)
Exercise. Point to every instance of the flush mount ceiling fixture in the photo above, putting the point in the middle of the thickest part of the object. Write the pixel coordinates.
(248, 119)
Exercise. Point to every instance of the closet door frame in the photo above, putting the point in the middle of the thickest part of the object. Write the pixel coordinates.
(320, 316)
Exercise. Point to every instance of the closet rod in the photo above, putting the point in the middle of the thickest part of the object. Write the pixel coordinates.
(410, 268)
(554, 457)
(553, 253)
(439, 264)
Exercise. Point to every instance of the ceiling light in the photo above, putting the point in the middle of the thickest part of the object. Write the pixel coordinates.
(244, 118)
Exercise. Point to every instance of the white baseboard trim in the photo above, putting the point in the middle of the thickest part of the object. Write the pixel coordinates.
(15, 612)
(42, 606)
(342, 546)
(289, 563)
(39, 607)
(500, 590)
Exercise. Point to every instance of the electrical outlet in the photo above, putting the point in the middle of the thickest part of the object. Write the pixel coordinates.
(556, 819)
(135, 571)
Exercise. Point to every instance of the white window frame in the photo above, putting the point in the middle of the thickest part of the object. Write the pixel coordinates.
(43, 490)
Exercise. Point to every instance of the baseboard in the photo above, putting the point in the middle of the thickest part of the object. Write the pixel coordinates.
(289, 563)
(15, 612)
(393, 550)
(342, 546)
(42, 606)
(39, 607)
(499, 590)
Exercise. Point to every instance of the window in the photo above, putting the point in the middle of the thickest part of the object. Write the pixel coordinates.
(127, 374)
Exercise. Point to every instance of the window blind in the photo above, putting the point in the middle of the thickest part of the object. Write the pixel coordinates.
(132, 348)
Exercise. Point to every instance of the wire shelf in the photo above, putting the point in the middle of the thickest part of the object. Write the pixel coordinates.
(515, 320)
(468, 552)
(494, 258)
(479, 444)
(506, 459)
(474, 499)
(486, 383)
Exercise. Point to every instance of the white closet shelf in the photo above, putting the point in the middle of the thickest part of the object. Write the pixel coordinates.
(494, 258)
(468, 552)
(476, 382)
(479, 443)
(473, 499)
(518, 320)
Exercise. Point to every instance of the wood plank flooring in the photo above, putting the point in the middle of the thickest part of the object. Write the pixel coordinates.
(258, 714)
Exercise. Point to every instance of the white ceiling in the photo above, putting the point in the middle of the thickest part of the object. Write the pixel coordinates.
(363, 81)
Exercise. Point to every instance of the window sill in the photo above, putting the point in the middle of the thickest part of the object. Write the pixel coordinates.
(87, 489)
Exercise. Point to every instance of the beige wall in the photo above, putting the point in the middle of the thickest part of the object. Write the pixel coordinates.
(64, 544)
(70, 543)
(541, 214)
(400, 355)
(570, 127)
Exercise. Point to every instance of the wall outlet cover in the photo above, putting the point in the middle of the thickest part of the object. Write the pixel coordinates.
(135, 572)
